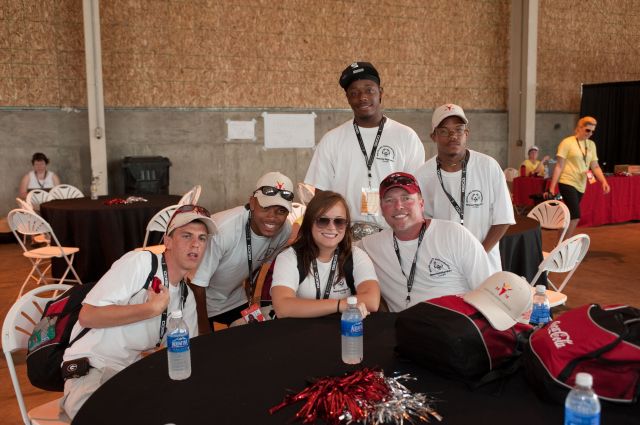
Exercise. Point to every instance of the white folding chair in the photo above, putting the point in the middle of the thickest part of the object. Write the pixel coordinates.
(565, 258)
(16, 330)
(36, 238)
(510, 174)
(37, 197)
(191, 197)
(158, 223)
(553, 215)
(65, 191)
(24, 222)
(306, 192)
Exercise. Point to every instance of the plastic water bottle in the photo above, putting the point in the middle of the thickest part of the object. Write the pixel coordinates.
(352, 331)
(178, 347)
(582, 406)
(540, 312)
(94, 188)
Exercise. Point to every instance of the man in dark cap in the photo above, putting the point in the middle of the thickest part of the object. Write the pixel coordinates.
(354, 157)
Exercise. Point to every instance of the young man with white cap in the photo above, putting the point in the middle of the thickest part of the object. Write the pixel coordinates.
(533, 166)
(125, 319)
(247, 236)
(354, 157)
(419, 259)
(465, 186)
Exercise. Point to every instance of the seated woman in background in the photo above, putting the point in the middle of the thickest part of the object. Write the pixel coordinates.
(313, 277)
(39, 177)
(534, 167)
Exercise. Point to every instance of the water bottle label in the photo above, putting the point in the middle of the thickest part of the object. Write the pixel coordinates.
(178, 342)
(351, 328)
(575, 418)
(540, 314)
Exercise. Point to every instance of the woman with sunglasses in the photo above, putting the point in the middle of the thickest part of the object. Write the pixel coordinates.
(312, 278)
(577, 164)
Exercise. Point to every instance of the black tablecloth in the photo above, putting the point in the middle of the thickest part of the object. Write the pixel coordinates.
(521, 248)
(102, 232)
(239, 373)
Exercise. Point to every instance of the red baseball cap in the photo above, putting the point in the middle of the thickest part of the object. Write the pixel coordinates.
(402, 180)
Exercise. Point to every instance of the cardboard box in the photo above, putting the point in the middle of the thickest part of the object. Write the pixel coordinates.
(626, 168)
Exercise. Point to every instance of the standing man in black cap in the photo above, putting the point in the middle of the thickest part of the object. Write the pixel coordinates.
(353, 158)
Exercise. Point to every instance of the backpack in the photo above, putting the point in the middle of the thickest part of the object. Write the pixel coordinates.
(264, 277)
(51, 336)
(452, 338)
(602, 341)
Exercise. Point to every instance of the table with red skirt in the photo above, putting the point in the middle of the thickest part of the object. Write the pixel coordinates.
(102, 232)
(620, 205)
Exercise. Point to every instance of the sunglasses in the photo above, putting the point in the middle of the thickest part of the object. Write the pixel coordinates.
(588, 130)
(189, 208)
(339, 222)
(287, 195)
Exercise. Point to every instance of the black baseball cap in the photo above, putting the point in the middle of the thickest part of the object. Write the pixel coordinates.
(358, 71)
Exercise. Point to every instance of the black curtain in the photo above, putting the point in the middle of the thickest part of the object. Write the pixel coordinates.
(616, 107)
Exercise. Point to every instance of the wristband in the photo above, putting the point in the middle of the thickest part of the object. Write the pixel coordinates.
(338, 308)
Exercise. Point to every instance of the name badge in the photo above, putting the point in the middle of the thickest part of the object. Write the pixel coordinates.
(369, 202)
(590, 177)
(252, 314)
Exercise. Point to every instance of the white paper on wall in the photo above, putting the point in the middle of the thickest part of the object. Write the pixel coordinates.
(241, 130)
(289, 130)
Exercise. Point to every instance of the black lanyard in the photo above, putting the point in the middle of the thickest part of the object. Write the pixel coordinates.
(369, 159)
(247, 228)
(463, 187)
(584, 155)
(183, 298)
(38, 180)
(316, 276)
(412, 273)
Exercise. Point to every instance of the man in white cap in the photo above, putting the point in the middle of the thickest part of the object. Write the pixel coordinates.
(465, 186)
(121, 319)
(247, 236)
(533, 166)
(419, 259)
(354, 157)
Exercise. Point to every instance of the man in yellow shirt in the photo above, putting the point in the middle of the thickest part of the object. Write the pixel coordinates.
(577, 163)
(534, 167)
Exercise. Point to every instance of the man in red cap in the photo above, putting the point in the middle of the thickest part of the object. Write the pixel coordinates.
(354, 157)
(419, 259)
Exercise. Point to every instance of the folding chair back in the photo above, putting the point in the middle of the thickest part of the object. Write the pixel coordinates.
(65, 191)
(159, 222)
(552, 215)
(566, 257)
(37, 197)
(510, 174)
(16, 330)
(25, 222)
(306, 192)
(191, 197)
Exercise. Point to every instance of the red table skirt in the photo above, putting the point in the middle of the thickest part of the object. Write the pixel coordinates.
(620, 205)
(524, 187)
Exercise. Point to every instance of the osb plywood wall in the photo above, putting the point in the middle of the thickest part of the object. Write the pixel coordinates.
(253, 53)
(585, 41)
(289, 53)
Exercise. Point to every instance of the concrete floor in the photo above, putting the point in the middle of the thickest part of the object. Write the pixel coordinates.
(608, 275)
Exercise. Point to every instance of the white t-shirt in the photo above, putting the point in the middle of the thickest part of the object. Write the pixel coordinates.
(339, 165)
(285, 273)
(224, 266)
(451, 261)
(119, 346)
(487, 199)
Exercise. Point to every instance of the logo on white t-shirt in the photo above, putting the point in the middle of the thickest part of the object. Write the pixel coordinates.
(386, 153)
(474, 199)
(438, 268)
(340, 287)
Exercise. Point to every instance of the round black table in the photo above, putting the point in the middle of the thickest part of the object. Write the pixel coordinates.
(239, 373)
(521, 248)
(102, 232)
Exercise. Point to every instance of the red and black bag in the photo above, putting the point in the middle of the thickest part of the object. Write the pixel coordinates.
(602, 341)
(452, 338)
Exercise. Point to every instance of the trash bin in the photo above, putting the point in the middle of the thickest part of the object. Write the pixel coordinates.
(144, 175)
